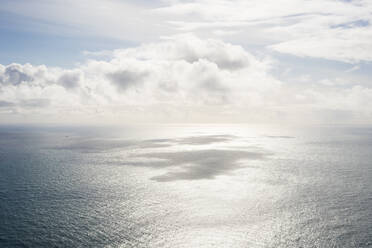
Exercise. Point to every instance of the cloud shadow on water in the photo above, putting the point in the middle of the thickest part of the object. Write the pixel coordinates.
(199, 164)
(192, 140)
(186, 158)
(96, 145)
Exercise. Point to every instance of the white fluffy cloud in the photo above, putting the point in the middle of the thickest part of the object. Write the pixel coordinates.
(180, 79)
(182, 73)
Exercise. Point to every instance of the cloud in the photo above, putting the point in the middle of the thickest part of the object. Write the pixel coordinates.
(335, 30)
(125, 79)
(35, 103)
(5, 104)
(351, 45)
(182, 78)
(70, 79)
(191, 49)
(15, 74)
(327, 29)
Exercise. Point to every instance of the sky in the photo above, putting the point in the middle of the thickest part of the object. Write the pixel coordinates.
(185, 61)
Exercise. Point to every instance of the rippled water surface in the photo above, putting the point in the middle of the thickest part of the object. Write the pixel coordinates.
(185, 186)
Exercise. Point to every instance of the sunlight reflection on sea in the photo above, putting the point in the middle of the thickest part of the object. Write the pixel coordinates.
(186, 186)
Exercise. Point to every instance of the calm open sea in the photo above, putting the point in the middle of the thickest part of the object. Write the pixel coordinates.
(185, 186)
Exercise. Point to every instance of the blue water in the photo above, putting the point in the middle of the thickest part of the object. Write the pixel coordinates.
(185, 186)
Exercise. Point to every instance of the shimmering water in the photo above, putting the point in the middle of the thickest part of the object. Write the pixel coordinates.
(185, 186)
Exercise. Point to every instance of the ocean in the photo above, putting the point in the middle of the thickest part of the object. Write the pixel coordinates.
(185, 186)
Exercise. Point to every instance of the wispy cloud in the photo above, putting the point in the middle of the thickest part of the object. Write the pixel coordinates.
(336, 30)
(330, 29)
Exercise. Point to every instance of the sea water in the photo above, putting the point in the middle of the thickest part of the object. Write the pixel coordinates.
(185, 186)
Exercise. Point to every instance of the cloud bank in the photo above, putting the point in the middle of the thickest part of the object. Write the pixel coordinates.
(179, 79)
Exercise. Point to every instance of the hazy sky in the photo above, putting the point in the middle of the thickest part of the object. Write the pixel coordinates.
(255, 61)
